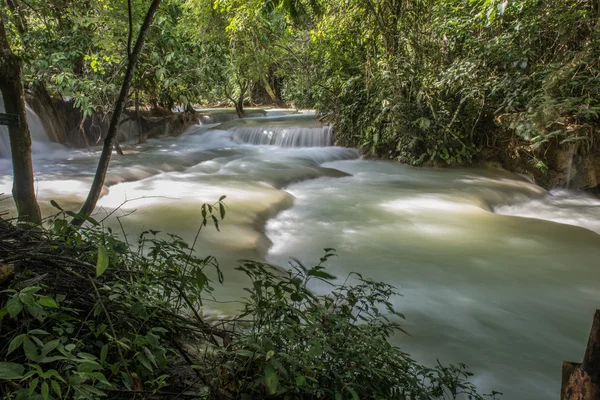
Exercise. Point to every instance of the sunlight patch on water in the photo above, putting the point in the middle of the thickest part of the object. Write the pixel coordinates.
(429, 203)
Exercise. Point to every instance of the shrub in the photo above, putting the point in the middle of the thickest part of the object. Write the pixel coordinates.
(85, 315)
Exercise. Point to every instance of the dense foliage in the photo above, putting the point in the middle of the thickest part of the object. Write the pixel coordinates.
(86, 315)
(425, 80)
(196, 51)
(417, 81)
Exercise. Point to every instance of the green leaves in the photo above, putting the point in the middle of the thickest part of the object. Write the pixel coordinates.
(56, 388)
(45, 391)
(271, 379)
(11, 371)
(14, 307)
(16, 343)
(333, 346)
(102, 262)
(31, 351)
(46, 301)
(318, 273)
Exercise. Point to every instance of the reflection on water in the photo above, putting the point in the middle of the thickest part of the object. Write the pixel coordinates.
(494, 271)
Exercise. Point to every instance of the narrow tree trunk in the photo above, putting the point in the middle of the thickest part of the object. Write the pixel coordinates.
(239, 107)
(11, 86)
(109, 141)
(239, 104)
(189, 109)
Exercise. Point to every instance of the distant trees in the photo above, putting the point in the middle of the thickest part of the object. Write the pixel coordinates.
(243, 43)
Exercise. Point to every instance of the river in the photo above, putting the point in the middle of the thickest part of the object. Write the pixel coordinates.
(494, 271)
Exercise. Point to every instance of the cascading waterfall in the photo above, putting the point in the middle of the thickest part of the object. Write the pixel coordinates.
(4, 141)
(284, 136)
(39, 137)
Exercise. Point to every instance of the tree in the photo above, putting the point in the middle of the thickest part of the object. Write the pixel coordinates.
(109, 141)
(239, 41)
(11, 86)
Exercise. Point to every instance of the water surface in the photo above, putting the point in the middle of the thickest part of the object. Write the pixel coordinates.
(494, 271)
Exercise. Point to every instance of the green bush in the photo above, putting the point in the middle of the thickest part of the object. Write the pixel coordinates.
(296, 344)
(85, 315)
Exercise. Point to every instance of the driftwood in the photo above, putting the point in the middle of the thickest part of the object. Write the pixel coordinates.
(581, 381)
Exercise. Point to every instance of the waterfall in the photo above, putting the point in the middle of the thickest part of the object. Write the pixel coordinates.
(284, 136)
(570, 166)
(39, 138)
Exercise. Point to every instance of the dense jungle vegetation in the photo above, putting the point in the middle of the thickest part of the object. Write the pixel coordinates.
(86, 315)
(416, 81)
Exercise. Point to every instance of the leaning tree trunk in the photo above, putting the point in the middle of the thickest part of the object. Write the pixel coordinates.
(109, 141)
(11, 86)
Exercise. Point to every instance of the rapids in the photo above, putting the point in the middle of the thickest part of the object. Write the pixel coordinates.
(494, 271)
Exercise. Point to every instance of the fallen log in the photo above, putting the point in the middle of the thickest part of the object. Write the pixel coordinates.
(581, 381)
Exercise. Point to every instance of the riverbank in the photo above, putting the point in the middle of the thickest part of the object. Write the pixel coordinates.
(66, 124)
(573, 165)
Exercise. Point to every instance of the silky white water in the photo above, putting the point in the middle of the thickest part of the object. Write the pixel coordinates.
(40, 144)
(494, 271)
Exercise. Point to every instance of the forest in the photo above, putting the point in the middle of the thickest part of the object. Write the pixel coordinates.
(472, 122)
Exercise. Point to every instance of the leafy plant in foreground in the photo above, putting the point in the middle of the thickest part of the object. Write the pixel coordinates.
(88, 316)
(296, 344)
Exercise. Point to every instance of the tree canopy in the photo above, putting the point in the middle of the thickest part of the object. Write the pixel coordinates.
(417, 81)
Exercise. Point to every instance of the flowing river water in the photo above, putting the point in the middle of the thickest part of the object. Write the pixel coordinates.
(494, 271)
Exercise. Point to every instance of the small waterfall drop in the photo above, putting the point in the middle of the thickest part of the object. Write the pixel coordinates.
(570, 166)
(39, 138)
(284, 136)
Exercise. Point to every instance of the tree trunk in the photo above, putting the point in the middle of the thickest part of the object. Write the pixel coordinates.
(239, 104)
(109, 141)
(582, 381)
(11, 86)
(239, 107)
(189, 109)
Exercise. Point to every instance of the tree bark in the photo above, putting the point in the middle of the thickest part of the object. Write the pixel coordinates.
(239, 102)
(109, 141)
(11, 86)
(582, 381)
(239, 107)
